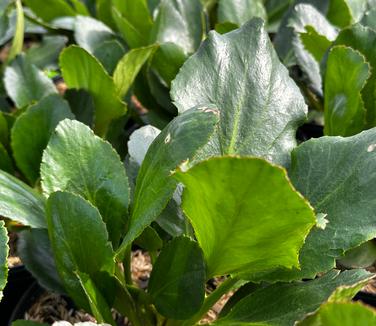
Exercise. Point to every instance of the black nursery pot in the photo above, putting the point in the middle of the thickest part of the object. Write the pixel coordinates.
(367, 298)
(21, 285)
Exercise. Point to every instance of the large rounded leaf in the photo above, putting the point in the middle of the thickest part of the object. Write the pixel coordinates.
(246, 215)
(77, 161)
(260, 105)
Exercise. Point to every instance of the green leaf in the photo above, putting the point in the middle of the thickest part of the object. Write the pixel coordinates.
(29, 323)
(149, 240)
(82, 105)
(360, 257)
(306, 15)
(341, 314)
(240, 11)
(82, 71)
(133, 21)
(346, 75)
(292, 301)
(343, 189)
(179, 22)
(260, 105)
(178, 292)
(129, 66)
(99, 307)
(77, 161)
(79, 241)
(45, 55)
(48, 10)
(25, 83)
(99, 40)
(343, 13)
(178, 142)
(29, 142)
(21, 203)
(232, 205)
(36, 254)
(363, 39)
(369, 19)
(6, 163)
(4, 250)
(18, 38)
(314, 43)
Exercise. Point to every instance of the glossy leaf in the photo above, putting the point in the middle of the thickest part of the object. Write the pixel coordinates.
(179, 22)
(177, 282)
(240, 11)
(306, 15)
(369, 19)
(363, 39)
(337, 176)
(70, 220)
(50, 9)
(260, 105)
(21, 203)
(25, 83)
(4, 250)
(283, 304)
(35, 251)
(232, 205)
(77, 161)
(133, 21)
(29, 142)
(346, 74)
(129, 66)
(82, 71)
(178, 142)
(360, 257)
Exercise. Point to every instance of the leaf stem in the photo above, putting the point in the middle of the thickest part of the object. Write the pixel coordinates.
(127, 265)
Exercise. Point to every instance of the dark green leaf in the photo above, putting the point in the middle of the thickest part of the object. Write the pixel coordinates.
(82, 71)
(260, 105)
(77, 161)
(21, 203)
(177, 282)
(133, 21)
(232, 205)
(25, 83)
(369, 19)
(149, 240)
(341, 314)
(29, 142)
(283, 304)
(35, 251)
(240, 11)
(178, 142)
(28, 323)
(360, 257)
(79, 241)
(179, 22)
(363, 39)
(81, 103)
(6, 163)
(346, 74)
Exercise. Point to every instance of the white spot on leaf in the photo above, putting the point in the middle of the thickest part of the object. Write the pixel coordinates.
(167, 139)
(371, 148)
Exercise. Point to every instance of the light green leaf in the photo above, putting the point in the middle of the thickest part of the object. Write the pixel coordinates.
(4, 250)
(178, 142)
(77, 161)
(283, 304)
(178, 292)
(129, 66)
(133, 21)
(18, 37)
(306, 15)
(48, 10)
(179, 22)
(317, 45)
(341, 314)
(20, 203)
(343, 189)
(82, 71)
(25, 83)
(343, 13)
(232, 205)
(363, 39)
(79, 241)
(260, 105)
(346, 75)
(34, 249)
(29, 142)
(240, 11)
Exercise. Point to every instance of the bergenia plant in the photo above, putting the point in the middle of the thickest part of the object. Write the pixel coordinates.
(268, 217)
